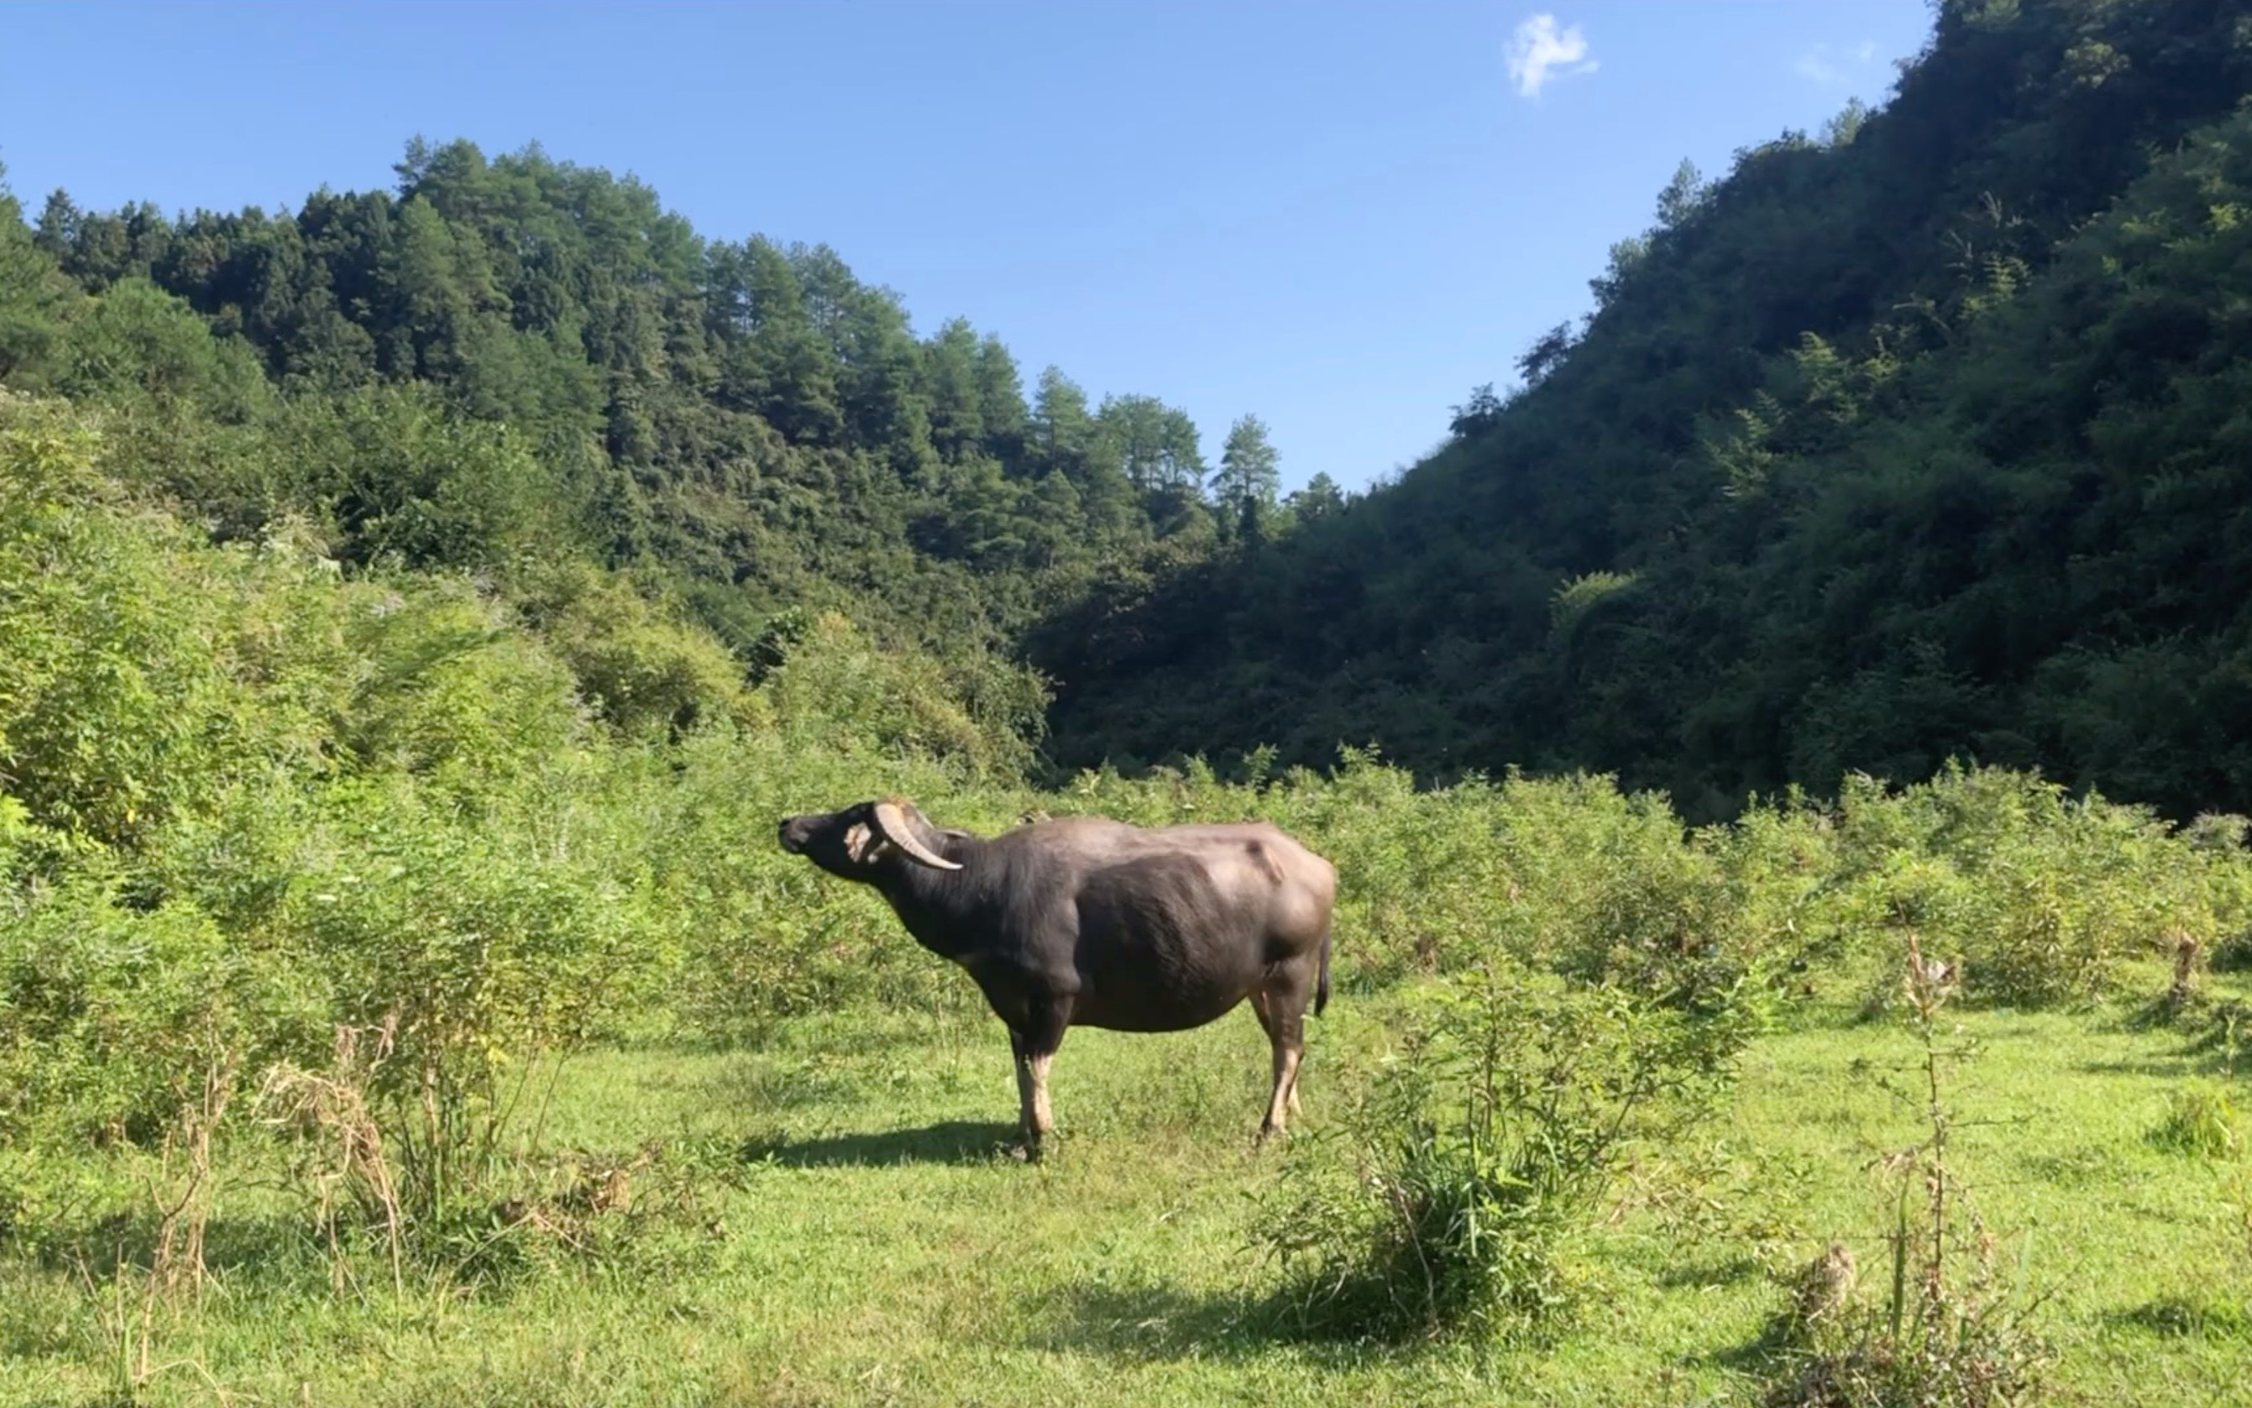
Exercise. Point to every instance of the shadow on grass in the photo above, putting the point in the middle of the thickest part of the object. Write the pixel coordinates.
(1773, 1350)
(2088, 1166)
(290, 1255)
(2212, 1032)
(1706, 1274)
(1157, 1324)
(2160, 1067)
(948, 1142)
(781, 1088)
(268, 1248)
(2179, 1315)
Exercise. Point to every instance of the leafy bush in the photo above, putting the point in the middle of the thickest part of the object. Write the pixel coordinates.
(480, 951)
(1419, 873)
(1486, 1147)
(2042, 896)
(2199, 1119)
(762, 934)
(1607, 888)
(403, 478)
(146, 669)
(445, 688)
(1574, 600)
(112, 1019)
(643, 672)
(110, 677)
(139, 343)
(838, 689)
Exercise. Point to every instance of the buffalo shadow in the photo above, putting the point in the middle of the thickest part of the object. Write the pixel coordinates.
(947, 1142)
(1157, 1323)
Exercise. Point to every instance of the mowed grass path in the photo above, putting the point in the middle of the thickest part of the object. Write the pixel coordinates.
(858, 1238)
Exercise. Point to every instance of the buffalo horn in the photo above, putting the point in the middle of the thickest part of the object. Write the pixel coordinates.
(893, 823)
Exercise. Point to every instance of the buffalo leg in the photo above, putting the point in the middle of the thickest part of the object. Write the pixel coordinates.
(1043, 1120)
(1035, 1053)
(1266, 1024)
(1286, 1079)
(1281, 1010)
(1023, 1059)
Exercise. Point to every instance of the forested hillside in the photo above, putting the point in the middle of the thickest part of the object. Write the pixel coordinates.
(519, 359)
(418, 608)
(1927, 435)
(1920, 437)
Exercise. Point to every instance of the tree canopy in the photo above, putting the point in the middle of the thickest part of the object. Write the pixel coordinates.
(746, 419)
(1914, 439)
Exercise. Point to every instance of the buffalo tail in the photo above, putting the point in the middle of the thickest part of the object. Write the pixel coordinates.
(1321, 984)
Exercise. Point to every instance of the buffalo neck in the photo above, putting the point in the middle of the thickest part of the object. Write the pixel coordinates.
(939, 907)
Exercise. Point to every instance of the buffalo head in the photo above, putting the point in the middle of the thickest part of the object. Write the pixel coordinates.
(859, 841)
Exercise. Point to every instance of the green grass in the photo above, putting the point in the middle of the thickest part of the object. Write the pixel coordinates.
(856, 1236)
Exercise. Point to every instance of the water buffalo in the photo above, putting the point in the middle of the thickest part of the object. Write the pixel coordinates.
(1086, 921)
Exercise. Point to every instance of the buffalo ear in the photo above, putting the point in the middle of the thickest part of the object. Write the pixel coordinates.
(861, 842)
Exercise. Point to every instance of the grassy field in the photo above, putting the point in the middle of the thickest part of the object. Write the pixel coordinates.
(829, 1219)
(299, 864)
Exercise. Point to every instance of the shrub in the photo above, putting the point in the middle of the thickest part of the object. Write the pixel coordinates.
(2042, 896)
(1484, 1149)
(1936, 1335)
(110, 683)
(407, 480)
(1609, 890)
(646, 674)
(112, 1019)
(446, 688)
(1420, 874)
(480, 951)
(2199, 1119)
(837, 689)
(763, 935)
(138, 343)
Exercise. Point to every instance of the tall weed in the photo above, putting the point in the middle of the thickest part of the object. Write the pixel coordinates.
(1946, 1328)
(1488, 1144)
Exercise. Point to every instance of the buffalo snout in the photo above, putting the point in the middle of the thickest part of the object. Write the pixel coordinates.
(795, 832)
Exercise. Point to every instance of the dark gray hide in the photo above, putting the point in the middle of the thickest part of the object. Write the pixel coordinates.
(1089, 922)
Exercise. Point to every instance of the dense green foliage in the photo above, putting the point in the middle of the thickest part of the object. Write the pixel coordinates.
(316, 875)
(251, 801)
(1916, 440)
(416, 610)
(1923, 438)
(521, 356)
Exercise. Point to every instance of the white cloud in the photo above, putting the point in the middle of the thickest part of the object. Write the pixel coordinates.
(1815, 66)
(1822, 65)
(1540, 50)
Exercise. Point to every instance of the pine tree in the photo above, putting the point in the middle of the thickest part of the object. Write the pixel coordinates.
(1248, 474)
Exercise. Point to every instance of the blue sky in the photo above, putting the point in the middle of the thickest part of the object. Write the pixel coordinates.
(1338, 216)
